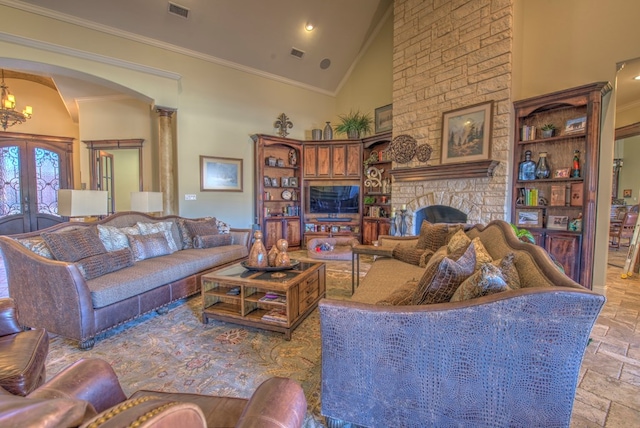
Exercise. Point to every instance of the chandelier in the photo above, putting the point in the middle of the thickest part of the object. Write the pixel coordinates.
(8, 115)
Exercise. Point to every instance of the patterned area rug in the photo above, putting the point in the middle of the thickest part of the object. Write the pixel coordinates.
(176, 352)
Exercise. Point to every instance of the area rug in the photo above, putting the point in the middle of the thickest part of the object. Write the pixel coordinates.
(176, 352)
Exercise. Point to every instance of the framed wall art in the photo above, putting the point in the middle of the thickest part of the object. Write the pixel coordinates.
(626, 193)
(575, 125)
(529, 218)
(466, 133)
(220, 174)
(384, 118)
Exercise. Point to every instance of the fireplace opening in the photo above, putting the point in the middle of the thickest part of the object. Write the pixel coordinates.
(438, 214)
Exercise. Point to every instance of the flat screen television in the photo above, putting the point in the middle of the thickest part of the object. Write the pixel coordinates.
(334, 199)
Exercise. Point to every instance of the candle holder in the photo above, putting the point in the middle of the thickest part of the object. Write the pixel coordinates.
(401, 222)
(392, 220)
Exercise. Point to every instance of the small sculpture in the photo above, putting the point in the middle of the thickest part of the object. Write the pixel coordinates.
(258, 254)
(273, 254)
(282, 124)
(283, 258)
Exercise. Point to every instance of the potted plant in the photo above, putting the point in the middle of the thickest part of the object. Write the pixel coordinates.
(523, 234)
(547, 130)
(354, 124)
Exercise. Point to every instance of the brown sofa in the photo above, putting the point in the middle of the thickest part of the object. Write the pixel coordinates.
(502, 360)
(88, 394)
(55, 295)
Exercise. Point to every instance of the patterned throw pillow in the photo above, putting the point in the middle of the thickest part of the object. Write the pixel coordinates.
(401, 296)
(95, 266)
(485, 281)
(114, 238)
(443, 276)
(37, 245)
(482, 255)
(425, 257)
(509, 272)
(432, 236)
(210, 241)
(73, 245)
(459, 241)
(202, 227)
(148, 246)
(162, 226)
(408, 254)
(223, 227)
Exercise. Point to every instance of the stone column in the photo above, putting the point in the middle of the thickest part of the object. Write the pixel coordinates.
(167, 162)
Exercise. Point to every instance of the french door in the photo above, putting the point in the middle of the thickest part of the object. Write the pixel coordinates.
(32, 170)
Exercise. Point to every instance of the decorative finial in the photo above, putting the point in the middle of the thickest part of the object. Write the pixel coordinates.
(282, 124)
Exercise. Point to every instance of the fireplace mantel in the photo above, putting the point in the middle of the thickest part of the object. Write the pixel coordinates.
(477, 169)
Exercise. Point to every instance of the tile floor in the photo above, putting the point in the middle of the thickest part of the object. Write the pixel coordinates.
(608, 393)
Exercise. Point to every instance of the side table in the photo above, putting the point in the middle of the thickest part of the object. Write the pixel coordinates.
(355, 255)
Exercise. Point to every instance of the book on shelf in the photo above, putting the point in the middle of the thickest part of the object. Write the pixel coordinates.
(276, 315)
(528, 133)
(528, 197)
(273, 297)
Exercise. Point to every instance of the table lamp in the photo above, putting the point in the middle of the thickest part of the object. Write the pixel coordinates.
(146, 202)
(82, 203)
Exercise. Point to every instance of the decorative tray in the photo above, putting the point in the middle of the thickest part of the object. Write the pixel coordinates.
(293, 264)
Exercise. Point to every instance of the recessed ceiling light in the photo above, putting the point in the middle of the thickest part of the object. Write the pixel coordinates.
(309, 26)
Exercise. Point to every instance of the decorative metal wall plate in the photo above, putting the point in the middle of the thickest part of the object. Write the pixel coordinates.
(423, 153)
(403, 148)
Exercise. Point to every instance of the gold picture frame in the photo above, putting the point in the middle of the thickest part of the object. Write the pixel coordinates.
(220, 174)
(466, 133)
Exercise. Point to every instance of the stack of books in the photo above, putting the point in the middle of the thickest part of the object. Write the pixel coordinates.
(276, 315)
(274, 297)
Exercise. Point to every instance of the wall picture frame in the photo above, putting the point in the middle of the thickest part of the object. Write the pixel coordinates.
(626, 193)
(293, 181)
(528, 218)
(557, 222)
(267, 181)
(466, 133)
(578, 125)
(384, 118)
(284, 182)
(561, 173)
(220, 174)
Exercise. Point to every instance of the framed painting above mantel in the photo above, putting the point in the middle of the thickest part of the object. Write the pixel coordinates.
(466, 133)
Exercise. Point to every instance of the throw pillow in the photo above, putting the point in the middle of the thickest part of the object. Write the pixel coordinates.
(509, 271)
(408, 254)
(459, 241)
(114, 238)
(37, 245)
(95, 266)
(223, 227)
(401, 296)
(485, 281)
(202, 227)
(425, 257)
(443, 276)
(482, 255)
(432, 236)
(73, 245)
(162, 226)
(148, 246)
(209, 241)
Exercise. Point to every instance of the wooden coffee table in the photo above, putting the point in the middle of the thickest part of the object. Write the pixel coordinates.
(277, 301)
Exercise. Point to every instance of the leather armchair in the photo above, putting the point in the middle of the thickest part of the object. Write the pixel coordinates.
(22, 353)
(88, 394)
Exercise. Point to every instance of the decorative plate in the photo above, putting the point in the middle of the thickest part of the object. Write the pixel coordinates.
(423, 153)
(403, 148)
(287, 195)
(294, 263)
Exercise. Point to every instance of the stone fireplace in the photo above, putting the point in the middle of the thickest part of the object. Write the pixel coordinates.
(437, 214)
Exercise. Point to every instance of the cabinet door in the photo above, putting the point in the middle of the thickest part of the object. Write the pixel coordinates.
(539, 237)
(354, 160)
(339, 160)
(369, 231)
(310, 161)
(383, 228)
(566, 250)
(273, 232)
(324, 161)
(293, 232)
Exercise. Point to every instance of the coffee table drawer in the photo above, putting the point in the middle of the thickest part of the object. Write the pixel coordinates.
(308, 292)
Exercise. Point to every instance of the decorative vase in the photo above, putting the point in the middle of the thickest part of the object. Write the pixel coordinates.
(258, 254)
(527, 168)
(547, 133)
(316, 134)
(328, 131)
(283, 258)
(273, 254)
(542, 170)
(353, 134)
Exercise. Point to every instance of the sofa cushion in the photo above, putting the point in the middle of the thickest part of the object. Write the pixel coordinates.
(209, 241)
(425, 257)
(149, 246)
(22, 366)
(384, 276)
(443, 276)
(95, 266)
(75, 244)
(458, 242)
(165, 227)
(148, 274)
(432, 236)
(115, 238)
(408, 254)
(401, 296)
(202, 227)
(509, 272)
(485, 281)
(37, 245)
(482, 255)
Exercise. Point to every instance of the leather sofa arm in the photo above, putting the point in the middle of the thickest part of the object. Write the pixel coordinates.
(241, 237)
(278, 402)
(89, 379)
(8, 319)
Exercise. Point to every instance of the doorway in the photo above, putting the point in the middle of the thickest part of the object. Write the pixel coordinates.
(32, 170)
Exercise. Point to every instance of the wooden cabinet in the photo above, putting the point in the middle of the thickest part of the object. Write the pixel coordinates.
(560, 209)
(279, 190)
(332, 159)
(320, 229)
(374, 227)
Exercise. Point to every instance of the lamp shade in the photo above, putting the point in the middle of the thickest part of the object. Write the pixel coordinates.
(81, 203)
(146, 202)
